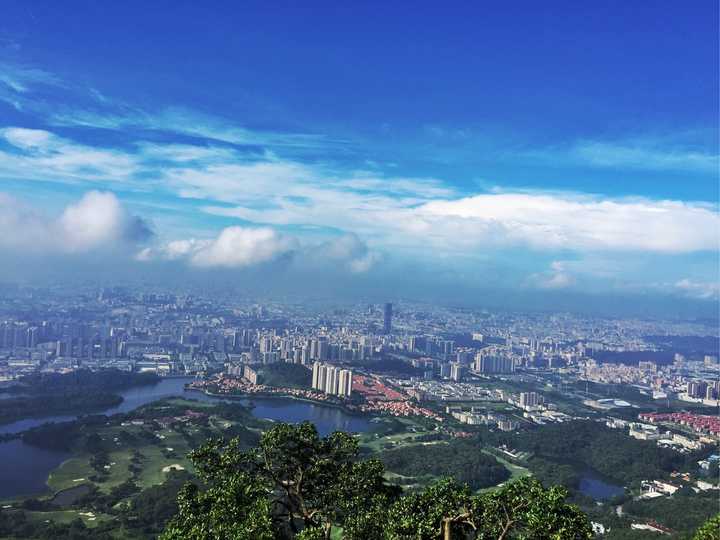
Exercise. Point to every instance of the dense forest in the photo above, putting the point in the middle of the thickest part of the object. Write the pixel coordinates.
(284, 374)
(107, 380)
(461, 460)
(78, 392)
(70, 403)
(609, 452)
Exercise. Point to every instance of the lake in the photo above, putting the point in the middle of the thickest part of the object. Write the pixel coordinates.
(24, 468)
(597, 488)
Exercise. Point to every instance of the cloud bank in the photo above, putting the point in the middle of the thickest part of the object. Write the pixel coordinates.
(97, 222)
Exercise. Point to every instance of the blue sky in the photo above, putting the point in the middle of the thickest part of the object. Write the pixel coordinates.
(558, 147)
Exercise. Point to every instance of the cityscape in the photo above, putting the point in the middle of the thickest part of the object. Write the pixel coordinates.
(459, 370)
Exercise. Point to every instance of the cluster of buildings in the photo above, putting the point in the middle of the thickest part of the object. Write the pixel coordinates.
(699, 423)
(332, 380)
(703, 390)
(454, 352)
(479, 416)
(702, 430)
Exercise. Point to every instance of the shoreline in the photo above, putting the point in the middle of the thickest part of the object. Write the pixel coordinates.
(275, 395)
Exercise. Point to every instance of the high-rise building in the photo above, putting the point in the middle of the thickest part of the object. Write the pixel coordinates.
(493, 364)
(318, 376)
(345, 383)
(447, 347)
(387, 319)
(530, 399)
(266, 344)
(323, 348)
(332, 380)
(696, 389)
(445, 370)
(457, 371)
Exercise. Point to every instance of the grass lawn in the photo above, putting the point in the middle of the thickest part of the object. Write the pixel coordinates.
(516, 471)
(90, 519)
(156, 457)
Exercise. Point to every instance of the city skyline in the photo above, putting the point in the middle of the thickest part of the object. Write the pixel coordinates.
(286, 151)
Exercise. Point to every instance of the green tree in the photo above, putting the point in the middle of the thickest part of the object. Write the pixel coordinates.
(234, 507)
(523, 509)
(710, 530)
(296, 484)
(293, 483)
(443, 509)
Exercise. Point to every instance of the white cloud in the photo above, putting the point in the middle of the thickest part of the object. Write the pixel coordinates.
(22, 79)
(644, 155)
(41, 155)
(557, 277)
(348, 250)
(189, 123)
(364, 263)
(698, 289)
(28, 138)
(237, 247)
(97, 221)
(569, 221)
(241, 247)
(392, 212)
(680, 152)
(234, 247)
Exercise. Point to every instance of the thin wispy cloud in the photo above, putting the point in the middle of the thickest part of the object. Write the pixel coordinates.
(22, 79)
(639, 154)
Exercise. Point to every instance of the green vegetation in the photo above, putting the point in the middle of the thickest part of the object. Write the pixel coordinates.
(295, 484)
(593, 445)
(69, 403)
(458, 459)
(130, 474)
(78, 392)
(710, 529)
(107, 380)
(683, 512)
(284, 374)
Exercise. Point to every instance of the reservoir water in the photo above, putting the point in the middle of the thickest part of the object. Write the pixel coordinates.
(597, 488)
(24, 468)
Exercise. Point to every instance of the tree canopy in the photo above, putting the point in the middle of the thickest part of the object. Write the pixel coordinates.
(296, 484)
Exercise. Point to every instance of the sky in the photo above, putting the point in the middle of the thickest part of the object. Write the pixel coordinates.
(559, 154)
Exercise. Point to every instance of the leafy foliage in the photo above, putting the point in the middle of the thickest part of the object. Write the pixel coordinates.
(710, 530)
(523, 509)
(295, 484)
(68, 403)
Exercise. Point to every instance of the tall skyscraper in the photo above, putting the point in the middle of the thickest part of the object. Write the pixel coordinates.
(387, 319)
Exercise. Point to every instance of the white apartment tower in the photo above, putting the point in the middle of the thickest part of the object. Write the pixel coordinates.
(332, 380)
